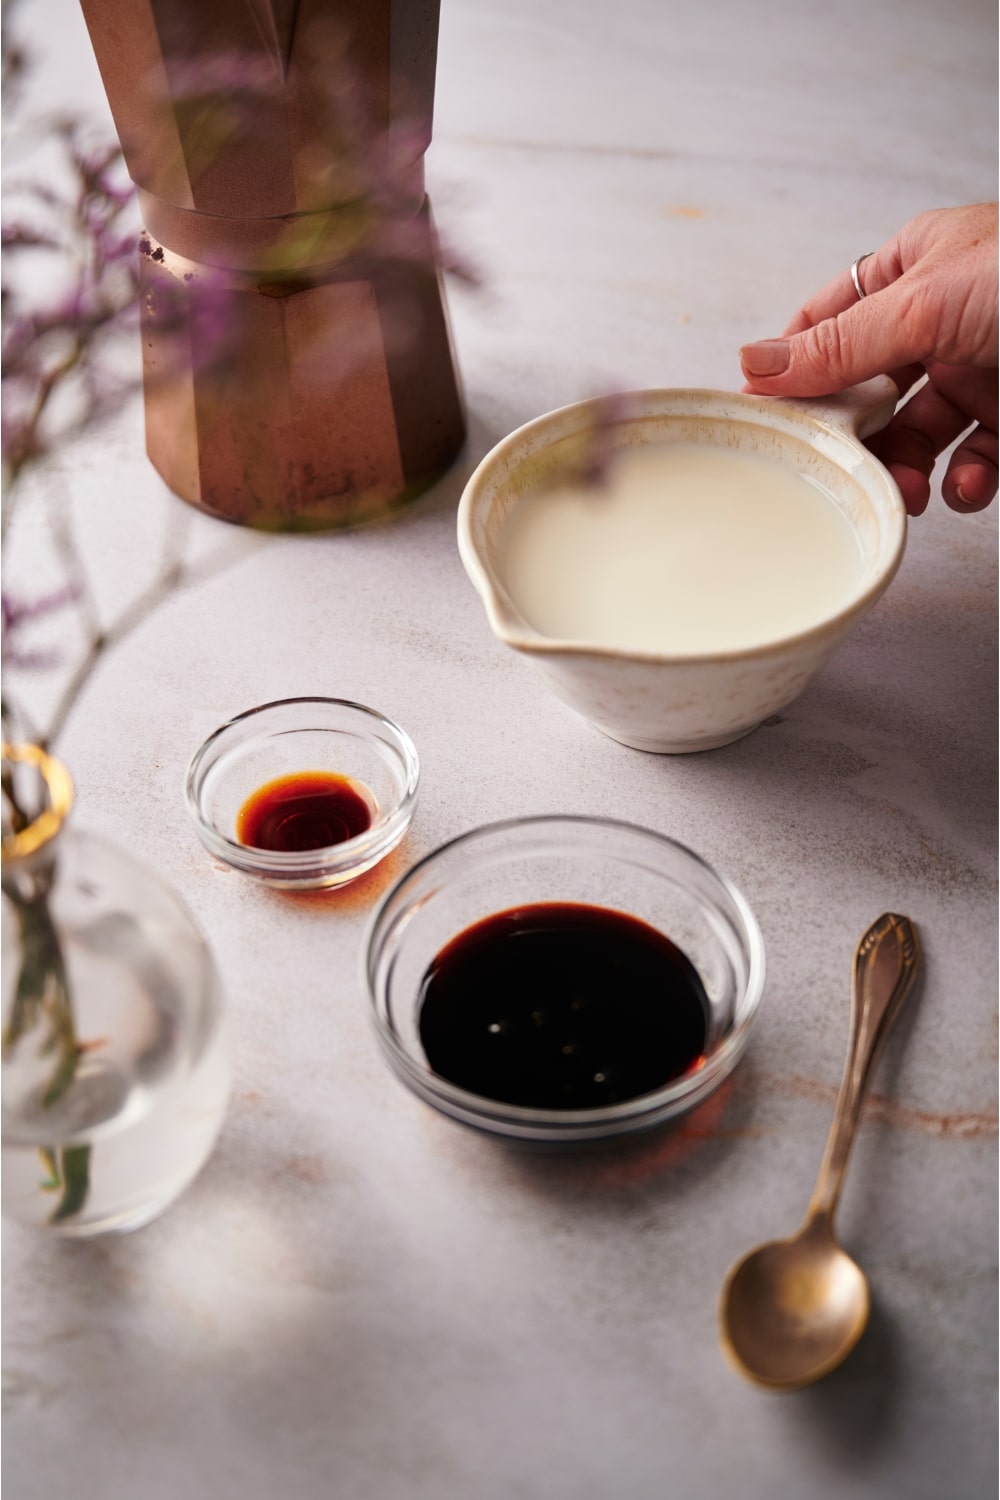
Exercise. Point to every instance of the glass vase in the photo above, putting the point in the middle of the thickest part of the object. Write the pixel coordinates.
(115, 1063)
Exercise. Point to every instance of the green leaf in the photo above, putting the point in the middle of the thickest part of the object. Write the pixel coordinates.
(75, 1164)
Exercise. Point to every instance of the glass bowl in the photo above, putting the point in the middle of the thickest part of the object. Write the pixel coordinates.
(587, 861)
(293, 736)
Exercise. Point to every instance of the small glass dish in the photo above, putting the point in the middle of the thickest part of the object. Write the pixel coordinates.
(586, 861)
(291, 737)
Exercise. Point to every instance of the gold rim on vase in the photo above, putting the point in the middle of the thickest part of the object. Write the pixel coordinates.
(58, 784)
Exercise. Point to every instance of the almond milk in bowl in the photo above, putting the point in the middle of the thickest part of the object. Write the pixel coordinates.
(726, 548)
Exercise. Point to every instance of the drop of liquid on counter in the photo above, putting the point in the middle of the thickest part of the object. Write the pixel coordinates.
(562, 1007)
(306, 810)
(685, 548)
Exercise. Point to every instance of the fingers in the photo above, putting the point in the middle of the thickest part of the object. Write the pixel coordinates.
(903, 379)
(970, 481)
(836, 297)
(930, 291)
(906, 377)
(881, 333)
(937, 414)
(929, 296)
(876, 272)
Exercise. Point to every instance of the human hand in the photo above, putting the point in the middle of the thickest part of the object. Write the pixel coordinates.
(929, 309)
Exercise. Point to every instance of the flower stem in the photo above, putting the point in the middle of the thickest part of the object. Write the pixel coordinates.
(42, 991)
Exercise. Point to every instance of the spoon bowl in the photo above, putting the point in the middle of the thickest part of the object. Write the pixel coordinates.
(792, 1310)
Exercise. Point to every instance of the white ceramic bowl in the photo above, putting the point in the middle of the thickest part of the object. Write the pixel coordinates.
(694, 701)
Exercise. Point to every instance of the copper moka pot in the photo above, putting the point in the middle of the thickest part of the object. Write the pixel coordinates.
(298, 370)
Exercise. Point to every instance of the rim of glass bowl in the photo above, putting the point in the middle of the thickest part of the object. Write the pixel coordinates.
(518, 1121)
(331, 859)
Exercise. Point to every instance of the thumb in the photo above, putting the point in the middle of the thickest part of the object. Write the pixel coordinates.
(875, 335)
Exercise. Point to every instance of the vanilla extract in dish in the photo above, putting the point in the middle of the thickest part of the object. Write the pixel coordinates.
(562, 1006)
(683, 548)
(305, 810)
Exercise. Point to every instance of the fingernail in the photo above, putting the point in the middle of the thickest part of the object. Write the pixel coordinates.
(769, 357)
(962, 495)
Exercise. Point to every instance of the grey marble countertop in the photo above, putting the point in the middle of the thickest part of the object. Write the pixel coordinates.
(358, 1298)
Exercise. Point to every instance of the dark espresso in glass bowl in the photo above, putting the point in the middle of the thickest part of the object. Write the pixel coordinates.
(563, 979)
(303, 793)
(306, 810)
(562, 1007)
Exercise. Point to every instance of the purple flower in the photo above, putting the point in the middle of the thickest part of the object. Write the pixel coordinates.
(18, 614)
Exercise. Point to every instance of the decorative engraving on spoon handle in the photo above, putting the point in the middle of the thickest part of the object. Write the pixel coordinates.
(886, 962)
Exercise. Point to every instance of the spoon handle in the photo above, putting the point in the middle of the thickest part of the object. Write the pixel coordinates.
(885, 966)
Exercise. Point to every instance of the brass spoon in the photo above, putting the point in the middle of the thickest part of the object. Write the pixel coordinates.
(792, 1310)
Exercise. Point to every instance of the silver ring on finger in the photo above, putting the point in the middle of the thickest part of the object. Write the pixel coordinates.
(856, 278)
